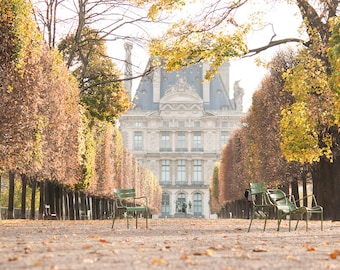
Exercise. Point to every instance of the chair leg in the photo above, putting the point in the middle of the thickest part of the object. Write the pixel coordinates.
(136, 219)
(278, 220)
(113, 218)
(146, 218)
(251, 220)
(297, 223)
(127, 219)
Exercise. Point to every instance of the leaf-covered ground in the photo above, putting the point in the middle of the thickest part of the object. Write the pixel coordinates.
(167, 244)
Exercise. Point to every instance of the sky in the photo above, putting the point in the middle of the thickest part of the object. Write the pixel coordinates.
(281, 15)
(286, 24)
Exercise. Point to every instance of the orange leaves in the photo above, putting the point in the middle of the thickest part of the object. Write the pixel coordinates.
(335, 254)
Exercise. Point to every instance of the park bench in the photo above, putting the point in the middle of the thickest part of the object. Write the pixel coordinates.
(286, 206)
(126, 201)
(260, 202)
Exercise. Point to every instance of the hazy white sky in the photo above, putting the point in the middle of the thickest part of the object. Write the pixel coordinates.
(285, 24)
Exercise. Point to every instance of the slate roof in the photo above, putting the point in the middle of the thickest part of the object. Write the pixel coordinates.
(219, 98)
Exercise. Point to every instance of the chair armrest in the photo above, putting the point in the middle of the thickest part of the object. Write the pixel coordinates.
(314, 202)
(142, 197)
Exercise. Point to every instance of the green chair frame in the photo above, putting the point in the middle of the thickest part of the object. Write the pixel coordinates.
(287, 206)
(126, 200)
(261, 203)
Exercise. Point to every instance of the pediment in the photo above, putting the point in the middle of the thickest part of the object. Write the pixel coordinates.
(181, 92)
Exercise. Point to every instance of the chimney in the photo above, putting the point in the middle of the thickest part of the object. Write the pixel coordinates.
(128, 67)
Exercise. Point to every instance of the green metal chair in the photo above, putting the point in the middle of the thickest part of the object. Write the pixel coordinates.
(126, 200)
(261, 203)
(286, 206)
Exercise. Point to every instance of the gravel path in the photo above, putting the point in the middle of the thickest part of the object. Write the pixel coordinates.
(221, 244)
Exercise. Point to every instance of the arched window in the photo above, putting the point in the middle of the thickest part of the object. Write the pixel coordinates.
(197, 204)
(181, 203)
(165, 204)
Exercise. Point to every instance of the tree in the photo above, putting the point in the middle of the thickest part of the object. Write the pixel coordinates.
(310, 124)
(116, 21)
(215, 35)
(101, 90)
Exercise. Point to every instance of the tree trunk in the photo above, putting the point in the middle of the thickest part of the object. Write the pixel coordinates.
(58, 201)
(23, 196)
(34, 192)
(71, 205)
(66, 204)
(304, 189)
(10, 214)
(76, 204)
(295, 190)
(0, 199)
(42, 200)
(326, 181)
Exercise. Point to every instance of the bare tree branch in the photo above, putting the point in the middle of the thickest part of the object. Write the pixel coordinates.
(271, 44)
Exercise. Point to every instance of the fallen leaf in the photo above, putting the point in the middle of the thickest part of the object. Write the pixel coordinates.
(12, 259)
(102, 241)
(259, 250)
(37, 263)
(27, 250)
(86, 246)
(184, 256)
(87, 260)
(335, 253)
(158, 261)
(311, 249)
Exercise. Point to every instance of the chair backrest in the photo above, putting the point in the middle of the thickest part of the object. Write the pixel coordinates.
(281, 200)
(259, 194)
(124, 193)
(257, 188)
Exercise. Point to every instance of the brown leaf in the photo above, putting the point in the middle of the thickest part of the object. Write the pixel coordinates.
(335, 253)
(27, 250)
(311, 249)
(259, 250)
(184, 256)
(86, 246)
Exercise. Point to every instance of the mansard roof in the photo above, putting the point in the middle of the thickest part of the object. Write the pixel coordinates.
(172, 84)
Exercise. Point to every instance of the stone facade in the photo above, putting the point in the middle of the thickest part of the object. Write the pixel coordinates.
(177, 130)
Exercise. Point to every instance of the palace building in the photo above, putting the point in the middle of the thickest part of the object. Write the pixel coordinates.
(177, 130)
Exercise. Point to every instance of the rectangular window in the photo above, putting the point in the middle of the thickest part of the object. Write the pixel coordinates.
(137, 140)
(197, 124)
(181, 141)
(197, 141)
(165, 204)
(225, 124)
(224, 137)
(181, 172)
(165, 141)
(165, 172)
(197, 172)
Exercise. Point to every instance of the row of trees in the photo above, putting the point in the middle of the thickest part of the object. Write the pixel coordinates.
(290, 134)
(57, 127)
(293, 125)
